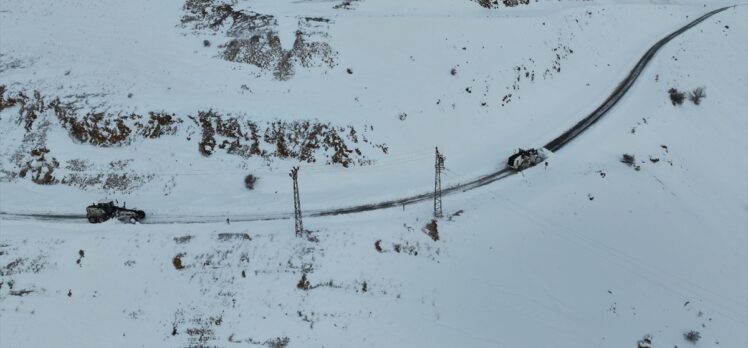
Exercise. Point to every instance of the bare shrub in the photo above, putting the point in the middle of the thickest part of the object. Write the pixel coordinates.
(487, 3)
(302, 140)
(630, 161)
(378, 245)
(177, 262)
(95, 128)
(233, 236)
(77, 165)
(40, 169)
(512, 3)
(495, 3)
(284, 67)
(303, 283)
(205, 14)
(432, 230)
(697, 94)
(263, 49)
(278, 342)
(249, 181)
(6, 102)
(208, 142)
(23, 265)
(183, 239)
(645, 342)
(692, 336)
(159, 123)
(31, 108)
(345, 5)
(676, 96)
(21, 293)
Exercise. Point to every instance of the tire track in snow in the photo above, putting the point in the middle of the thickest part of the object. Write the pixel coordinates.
(554, 145)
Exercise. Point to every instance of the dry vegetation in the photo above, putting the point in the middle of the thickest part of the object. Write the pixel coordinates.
(38, 168)
(432, 230)
(302, 140)
(14, 266)
(95, 128)
(495, 3)
(307, 141)
(254, 38)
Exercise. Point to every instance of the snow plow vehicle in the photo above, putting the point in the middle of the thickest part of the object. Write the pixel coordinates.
(101, 212)
(523, 159)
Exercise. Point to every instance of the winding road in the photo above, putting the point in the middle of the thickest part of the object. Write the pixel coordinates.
(554, 145)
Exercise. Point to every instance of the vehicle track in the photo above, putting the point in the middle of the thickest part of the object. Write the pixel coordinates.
(554, 145)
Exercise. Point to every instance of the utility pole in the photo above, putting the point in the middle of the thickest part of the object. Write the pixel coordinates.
(294, 174)
(438, 167)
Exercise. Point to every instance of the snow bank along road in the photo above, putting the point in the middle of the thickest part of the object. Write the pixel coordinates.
(554, 145)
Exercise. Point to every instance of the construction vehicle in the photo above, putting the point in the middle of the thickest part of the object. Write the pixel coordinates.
(101, 212)
(523, 159)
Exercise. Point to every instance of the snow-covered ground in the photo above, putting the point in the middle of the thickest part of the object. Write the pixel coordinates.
(586, 252)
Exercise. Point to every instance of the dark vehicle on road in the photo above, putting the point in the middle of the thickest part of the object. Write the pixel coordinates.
(101, 212)
(523, 159)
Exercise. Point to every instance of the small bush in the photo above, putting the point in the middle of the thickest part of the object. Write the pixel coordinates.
(249, 181)
(696, 95)
(224, 237)
(453, 72)
(278, 342)
(628, 159)
(645, 342)
(206, 43)
(432, 230)
(485, 3)
(303, 283)
(183, 239)
(512, 3)
(692, 336)
(676, 96)
(177, 262)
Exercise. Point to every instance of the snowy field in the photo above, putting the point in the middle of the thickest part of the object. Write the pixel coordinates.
(586, 252)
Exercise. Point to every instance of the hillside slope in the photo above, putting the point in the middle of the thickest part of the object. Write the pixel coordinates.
(586, 252)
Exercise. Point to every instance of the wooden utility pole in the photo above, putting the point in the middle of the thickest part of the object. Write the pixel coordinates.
(294, 174)
(438, 167)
